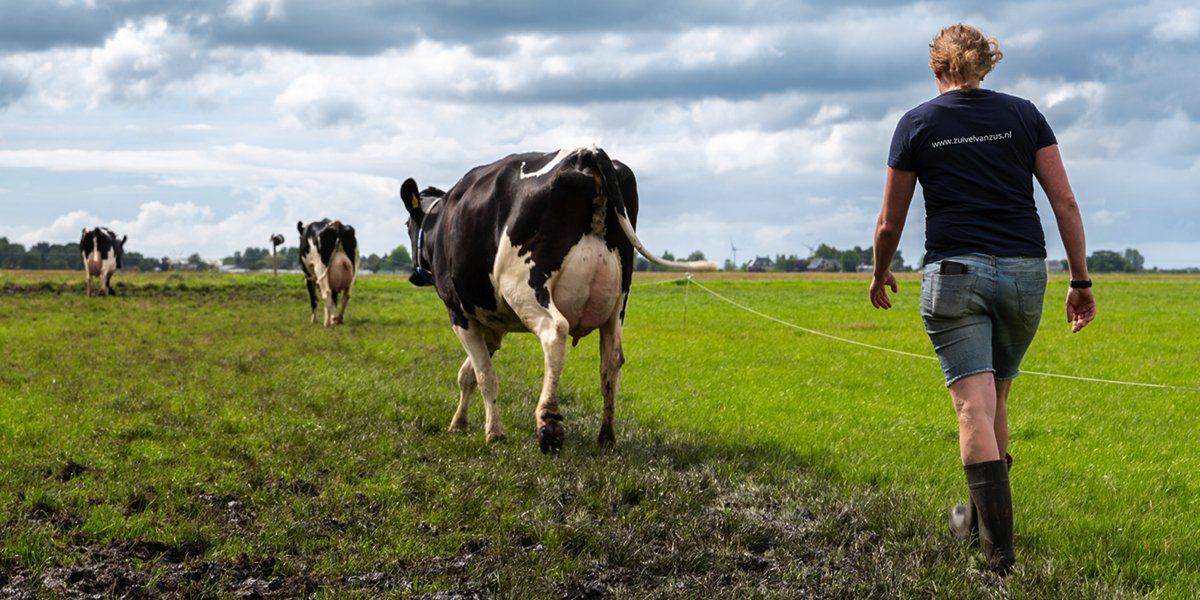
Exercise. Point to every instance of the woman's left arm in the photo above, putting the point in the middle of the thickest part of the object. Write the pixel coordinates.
(897, 196)
(1049, 170)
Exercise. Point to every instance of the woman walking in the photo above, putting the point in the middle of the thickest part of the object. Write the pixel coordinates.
(976, 153)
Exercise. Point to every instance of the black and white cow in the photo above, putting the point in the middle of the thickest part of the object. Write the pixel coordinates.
(329, 258)
(102, 253)
(540, 243)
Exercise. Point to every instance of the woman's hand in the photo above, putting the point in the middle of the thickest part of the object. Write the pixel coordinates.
(1081, 308)
(879, 285)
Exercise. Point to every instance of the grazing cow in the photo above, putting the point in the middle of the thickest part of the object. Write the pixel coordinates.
(102, 253)
(329, 258)
(539, 243)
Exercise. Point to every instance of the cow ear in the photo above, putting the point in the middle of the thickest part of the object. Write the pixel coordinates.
(410, 197)
(124, 238)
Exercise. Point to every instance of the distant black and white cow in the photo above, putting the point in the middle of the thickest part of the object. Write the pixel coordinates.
(329, 258)
(540, 243)
(102, 253)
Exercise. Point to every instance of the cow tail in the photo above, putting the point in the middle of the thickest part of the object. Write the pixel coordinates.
(609, 175)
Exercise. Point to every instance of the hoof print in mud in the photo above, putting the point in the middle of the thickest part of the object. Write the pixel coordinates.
(550, 437)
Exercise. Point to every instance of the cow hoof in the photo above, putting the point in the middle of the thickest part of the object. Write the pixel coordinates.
(497, 437)
(459, 427)
(606, 439)
(550, 437)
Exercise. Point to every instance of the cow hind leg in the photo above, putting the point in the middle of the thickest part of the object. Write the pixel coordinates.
(341, 315)
(474, 342)
(312, 298)
(551, 329)
(325, 300)
(611, 360)
(467, 382)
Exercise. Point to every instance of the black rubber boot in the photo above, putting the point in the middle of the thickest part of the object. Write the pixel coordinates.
(964, 520)
(992, 500)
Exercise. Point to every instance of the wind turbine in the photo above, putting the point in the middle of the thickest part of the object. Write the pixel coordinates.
(734, 250)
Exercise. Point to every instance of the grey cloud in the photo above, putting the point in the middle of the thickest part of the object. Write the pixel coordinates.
(33, 26)
(313, 28)
(731, 83)
(331, 112)
(130, 83)
(12, 87)
(1065, 113)
(367, 27)
(363, 27)
(472, 21)
(807, 66)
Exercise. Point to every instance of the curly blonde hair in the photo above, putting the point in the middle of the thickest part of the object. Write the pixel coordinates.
(964, 55)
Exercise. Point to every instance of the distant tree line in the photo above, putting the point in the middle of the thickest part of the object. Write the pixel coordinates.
(847, 261)
(397, 260)
(259, 259)
(42, 256)
(45, 256)
(1107, 261)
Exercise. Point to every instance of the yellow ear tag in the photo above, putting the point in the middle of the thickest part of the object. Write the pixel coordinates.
(416, 201)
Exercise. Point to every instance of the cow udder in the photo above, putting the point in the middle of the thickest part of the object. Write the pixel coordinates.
(97, 264)
(588, 287)
(340, 272)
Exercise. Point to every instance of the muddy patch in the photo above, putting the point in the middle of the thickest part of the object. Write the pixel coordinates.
(141, 569)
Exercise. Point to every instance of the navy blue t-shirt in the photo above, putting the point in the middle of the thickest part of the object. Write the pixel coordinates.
(973, 154)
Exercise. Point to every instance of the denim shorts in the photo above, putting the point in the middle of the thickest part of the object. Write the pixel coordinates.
(984, 320)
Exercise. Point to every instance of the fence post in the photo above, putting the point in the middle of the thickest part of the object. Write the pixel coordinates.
(276, 240)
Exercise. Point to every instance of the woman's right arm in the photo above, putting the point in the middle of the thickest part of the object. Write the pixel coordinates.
(1050, 173)
(897, 196)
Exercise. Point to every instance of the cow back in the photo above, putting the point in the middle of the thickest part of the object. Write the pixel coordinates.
(104, 241)
(543, 204)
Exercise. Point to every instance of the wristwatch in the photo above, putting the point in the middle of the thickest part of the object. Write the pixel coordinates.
(1081, 285)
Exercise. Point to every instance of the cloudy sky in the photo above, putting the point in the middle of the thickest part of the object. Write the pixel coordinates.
(207, 125)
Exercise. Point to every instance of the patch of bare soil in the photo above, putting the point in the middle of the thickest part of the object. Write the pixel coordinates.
(140, 569)
(169, 572)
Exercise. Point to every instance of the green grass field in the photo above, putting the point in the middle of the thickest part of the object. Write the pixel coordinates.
(1106, 475)
(198, 437)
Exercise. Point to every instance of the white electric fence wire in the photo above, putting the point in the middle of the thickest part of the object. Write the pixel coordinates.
(834, 337)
